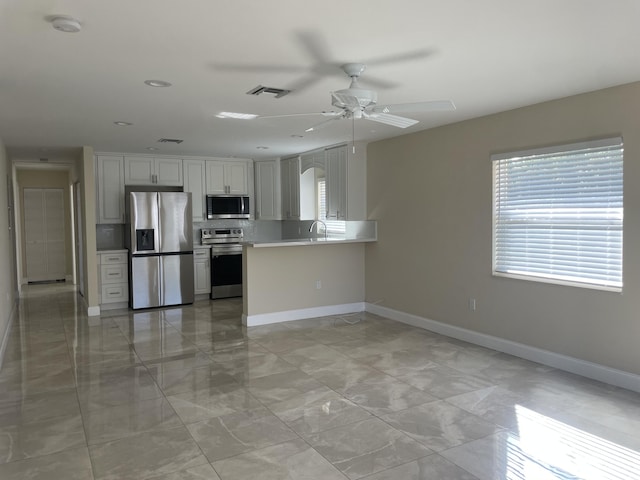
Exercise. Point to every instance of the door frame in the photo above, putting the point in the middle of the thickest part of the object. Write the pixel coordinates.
(17, 205)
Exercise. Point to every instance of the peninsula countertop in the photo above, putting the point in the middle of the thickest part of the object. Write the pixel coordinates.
(296, 242)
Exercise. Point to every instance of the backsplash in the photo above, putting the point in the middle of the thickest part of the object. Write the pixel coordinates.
(111, 236)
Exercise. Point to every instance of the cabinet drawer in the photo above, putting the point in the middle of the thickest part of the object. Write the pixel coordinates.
(113, 273)
(200, 254)
(115, 293)
(111, 258)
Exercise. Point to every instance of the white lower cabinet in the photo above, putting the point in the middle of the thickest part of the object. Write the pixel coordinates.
(113, 278)
(202, 271)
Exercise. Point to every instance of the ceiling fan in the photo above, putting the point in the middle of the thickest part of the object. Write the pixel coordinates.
(357, 102)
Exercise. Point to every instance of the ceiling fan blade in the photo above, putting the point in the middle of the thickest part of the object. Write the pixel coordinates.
(394, 120)
(315, 46)
(401, 57)
(324, 114)
(324, 124)
(304, 82)
(433, 106)
(257, 68)
(377, 82)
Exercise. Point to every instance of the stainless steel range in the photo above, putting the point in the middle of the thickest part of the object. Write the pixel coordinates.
(226, 260)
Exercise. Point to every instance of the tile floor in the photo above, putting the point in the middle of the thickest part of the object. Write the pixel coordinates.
(188, 393)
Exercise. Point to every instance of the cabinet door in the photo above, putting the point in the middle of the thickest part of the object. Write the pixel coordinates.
(110, 189)
(201, 272)
(195, 182)
(215, 177)
(139, 170)
(294, 188)
(267, 191)
(336, 186)
(285, 189)
(168, 171)
(235, 178)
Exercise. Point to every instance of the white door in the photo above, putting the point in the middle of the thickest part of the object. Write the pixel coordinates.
(44, 234)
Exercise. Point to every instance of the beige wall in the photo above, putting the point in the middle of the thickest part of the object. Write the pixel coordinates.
(431, 194)
(280, 279)
(28, 178)
(7, 257)
(357, 182)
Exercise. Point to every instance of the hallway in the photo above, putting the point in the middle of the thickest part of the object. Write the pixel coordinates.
(188, 393)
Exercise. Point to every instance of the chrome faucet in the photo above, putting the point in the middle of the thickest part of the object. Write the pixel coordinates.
(316, 222)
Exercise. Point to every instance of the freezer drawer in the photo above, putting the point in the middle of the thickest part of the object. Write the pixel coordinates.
(161, 280)
(177, 279)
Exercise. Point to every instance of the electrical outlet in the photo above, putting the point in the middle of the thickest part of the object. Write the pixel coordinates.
(472, 304)
(318, 284)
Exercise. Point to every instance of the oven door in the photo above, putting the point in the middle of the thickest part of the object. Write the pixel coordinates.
(226, 272)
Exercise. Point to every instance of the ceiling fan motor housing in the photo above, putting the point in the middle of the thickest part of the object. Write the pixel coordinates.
(354, 98)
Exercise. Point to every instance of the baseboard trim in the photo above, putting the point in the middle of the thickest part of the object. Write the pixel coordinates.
(292, 315)
(585, 368)
(7, 332)
(93, 311)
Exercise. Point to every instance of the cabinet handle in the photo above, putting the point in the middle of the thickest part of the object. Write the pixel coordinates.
(114, 258)
(113, 274)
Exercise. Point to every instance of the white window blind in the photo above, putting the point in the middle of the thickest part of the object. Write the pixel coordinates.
(558, 214)
(333, 226)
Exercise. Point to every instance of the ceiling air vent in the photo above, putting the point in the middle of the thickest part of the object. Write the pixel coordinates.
(170, 140)
(259, 90)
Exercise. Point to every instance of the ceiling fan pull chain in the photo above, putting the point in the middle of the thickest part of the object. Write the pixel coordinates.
(353, 134)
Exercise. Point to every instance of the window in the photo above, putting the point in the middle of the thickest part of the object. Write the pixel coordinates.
(558, 214)
(333, 226)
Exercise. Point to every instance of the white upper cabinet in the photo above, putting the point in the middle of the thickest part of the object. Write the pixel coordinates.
(290, 188)
(195, 182)
(110, 188)
(267, 190)
(153, 171)
(227, 177)
(336, 183)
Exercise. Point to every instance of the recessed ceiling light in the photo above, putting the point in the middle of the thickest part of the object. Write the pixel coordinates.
(123, 124)
(157, 83)
(262, 148)
(239, 116)
(153, 149)
(65, 23)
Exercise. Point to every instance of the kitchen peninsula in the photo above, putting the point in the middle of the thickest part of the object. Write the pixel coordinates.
(292, 279)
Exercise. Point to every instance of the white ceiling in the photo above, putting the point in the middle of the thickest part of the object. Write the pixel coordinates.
(59, 91)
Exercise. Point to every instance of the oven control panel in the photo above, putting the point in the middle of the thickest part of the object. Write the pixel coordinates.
(209, 236)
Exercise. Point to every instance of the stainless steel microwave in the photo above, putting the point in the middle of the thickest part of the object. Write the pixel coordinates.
(227, 206)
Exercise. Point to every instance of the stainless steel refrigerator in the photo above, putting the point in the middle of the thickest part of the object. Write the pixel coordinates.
(161, 249)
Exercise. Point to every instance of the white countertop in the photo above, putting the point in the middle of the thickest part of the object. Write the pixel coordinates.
(295, 242)
(116, 250)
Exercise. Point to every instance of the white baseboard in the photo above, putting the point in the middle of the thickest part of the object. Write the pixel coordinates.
(7, 332)
(585, 368)
(291, 315)
(93, 311)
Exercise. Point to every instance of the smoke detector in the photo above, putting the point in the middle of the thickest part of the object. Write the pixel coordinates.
(66, 24)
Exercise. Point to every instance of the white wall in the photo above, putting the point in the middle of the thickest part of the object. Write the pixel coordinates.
(431, 193)
(7, 256)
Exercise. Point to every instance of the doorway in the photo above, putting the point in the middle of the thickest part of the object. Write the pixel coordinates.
(44, 232)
